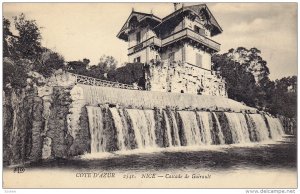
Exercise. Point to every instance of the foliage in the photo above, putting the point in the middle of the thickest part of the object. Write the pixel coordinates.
(14, 75)
(247, 79)
(252, 61)
(106, 64)
(49, 62)
(23, 53)
(28, 44)
(284, 99)
(239, 82)
(78, 67)
(128, 74)
(6, 36)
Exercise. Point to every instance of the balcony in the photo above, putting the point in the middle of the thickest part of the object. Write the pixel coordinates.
(182, 34)
(153, 41)
(188, 33)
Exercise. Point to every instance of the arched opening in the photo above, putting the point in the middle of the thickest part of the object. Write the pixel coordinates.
(133, 22)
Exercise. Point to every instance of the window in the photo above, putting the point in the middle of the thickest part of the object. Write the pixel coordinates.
(137, 60)
(198, 60)
(138, 37)
(197, 29)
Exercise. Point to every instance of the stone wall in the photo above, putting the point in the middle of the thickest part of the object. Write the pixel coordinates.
(183, 78)
(51, 121)
(23, 123)
(43, 122)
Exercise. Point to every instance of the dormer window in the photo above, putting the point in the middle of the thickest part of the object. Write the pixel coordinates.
(133, 23)
(138, 37)
(199, 30)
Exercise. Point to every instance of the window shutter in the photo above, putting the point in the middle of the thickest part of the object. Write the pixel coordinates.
(138, 37)
(198, 60)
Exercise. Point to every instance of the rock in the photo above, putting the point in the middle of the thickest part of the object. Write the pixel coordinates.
(46, 150)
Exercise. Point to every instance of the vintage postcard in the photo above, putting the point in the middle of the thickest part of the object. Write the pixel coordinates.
(150, 95)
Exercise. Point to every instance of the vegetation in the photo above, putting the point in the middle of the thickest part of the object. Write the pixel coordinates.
(128, 74)
(23, 53)
(247, 79)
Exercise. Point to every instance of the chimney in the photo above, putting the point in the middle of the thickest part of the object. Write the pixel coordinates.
(176, 6)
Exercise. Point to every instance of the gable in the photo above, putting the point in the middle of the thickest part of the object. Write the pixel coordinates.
(136, 17)
(203, 12)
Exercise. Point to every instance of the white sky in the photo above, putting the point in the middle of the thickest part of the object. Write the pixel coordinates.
(88, 30)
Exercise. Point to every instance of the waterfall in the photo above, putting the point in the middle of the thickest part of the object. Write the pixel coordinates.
(244, 127)
(219, 130)
(96, 128)
(190, 128)
(113, 129)
(168, 127)
(120, 127)
(275, 126)
(238, 124)
(261, 128)
(206, 125)
(143, 124)
(174, 128)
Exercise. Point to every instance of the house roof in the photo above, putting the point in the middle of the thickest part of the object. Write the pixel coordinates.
(196, 9)
(140, 16)
(212, 19)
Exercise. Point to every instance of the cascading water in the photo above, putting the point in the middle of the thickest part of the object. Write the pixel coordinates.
(190, 128)
(126, 129)
(238, 124)
(168, 128)
(219, 130)
(144, 127)
(275, 126)
(96, 129)
(205, 124)
(120, 127)
(261, 128)
(172, 122)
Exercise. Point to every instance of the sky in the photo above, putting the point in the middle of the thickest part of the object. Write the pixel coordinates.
(88, 30)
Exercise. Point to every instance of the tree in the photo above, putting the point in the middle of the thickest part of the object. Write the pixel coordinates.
(49, 62)
(7, 35)
(107, 63)
(240, 83)
(247, 78)
(78, 67)
(14, 75)
(252, 60)
(23, 53)
(128, 74)
(284, 97)
(28, 44)
(17, 63)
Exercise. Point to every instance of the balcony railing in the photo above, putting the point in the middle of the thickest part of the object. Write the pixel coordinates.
(188, 33)
(149, 42)
(185, 33)
(81, 79)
